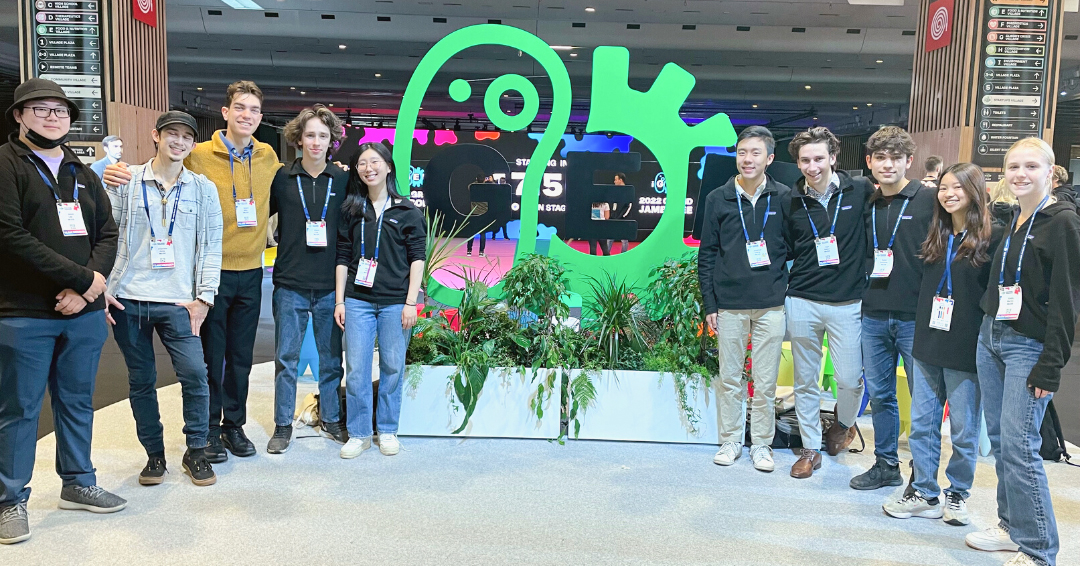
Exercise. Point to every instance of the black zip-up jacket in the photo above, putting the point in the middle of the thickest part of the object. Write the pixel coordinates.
(298, 265)
(845, 281)
(727, 280)
(1002, 212)
(404, 241)
(1050, 284)
(898, 294)
(38, 260)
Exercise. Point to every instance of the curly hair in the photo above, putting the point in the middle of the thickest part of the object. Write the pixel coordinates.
(294, 130)
(817, 134)
(891, 140)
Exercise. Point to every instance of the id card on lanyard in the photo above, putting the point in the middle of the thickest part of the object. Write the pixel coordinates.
(365, 269)
(247, 215)
(1011, 297)
(941, 310)
(828, 253)
(883, 259)
(69, 213)
(315, 231)
(162, 253)
(757, 252)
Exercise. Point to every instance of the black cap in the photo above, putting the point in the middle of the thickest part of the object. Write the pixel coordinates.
(35, 89)
(177, 117)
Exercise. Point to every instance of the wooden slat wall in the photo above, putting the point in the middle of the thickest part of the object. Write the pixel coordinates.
(139, 79)
(941, 79)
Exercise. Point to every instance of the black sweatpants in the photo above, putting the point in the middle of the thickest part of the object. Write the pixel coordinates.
(228, 337)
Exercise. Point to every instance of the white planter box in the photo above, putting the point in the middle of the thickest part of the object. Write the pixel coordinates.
(644, 406)
(502, 410)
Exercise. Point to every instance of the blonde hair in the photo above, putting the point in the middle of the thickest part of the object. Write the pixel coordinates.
(1036, 144)
(1061, 174)
(1000, 193)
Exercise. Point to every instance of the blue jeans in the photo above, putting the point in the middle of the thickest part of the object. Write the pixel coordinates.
(1013, 419)
(291, 310)
(933, 386)
(62, 354)
(882, 341)
(134, 334)
(363, 321)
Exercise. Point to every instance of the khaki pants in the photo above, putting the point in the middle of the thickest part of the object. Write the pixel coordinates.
(765, 329)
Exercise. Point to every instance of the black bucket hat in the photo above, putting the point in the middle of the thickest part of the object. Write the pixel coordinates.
(34, 89)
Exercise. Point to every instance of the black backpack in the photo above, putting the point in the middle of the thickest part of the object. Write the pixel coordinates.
(1053, 440)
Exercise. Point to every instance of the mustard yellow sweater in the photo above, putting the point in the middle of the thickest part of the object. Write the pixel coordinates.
(241, 248)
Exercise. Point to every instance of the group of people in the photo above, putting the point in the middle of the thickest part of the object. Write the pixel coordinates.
(155, 248)
(981, 312)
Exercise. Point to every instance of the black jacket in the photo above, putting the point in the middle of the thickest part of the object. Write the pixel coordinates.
(954, 349)
(1050, 283)
(298, 265)
(404, 241)
(834, 283)
(899, 292)
(1002, 212)
(727, 280)
(38, 260)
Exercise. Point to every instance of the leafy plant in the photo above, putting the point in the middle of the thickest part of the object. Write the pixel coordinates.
(440, 246)
(537, 284)
(615, 317)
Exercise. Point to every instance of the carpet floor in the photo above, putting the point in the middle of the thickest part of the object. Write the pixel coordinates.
(492, 501)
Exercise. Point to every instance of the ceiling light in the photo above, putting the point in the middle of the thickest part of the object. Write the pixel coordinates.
(807, 87)
(198, 88)
(562, 47)
(292, 88)
(755, 106)
(879, 61)
(1063, 93)
(869, 104)
(242, 4)
(573, 54)
(303, 92)
(331, 105)
(342, 46)
(590, 9)
(815, 118)
(378, 75)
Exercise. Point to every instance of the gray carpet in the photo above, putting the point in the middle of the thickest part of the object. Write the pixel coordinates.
(488, 501)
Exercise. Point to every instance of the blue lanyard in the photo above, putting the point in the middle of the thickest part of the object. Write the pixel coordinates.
(176, 206)
(242, 156)
(52, 187)
(303, 201)
(873, 222)
(949, 257)
(768, 204)
(378, 234)
(836, 214)
(1008, 238)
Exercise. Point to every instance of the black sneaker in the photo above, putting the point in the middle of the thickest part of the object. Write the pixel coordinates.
(335, 432)
(197, 466)
(237, 442)
(215, 451)
(880, 475)
(154, 472)
(279, 443)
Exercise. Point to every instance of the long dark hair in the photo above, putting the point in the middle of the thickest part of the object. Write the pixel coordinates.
(977, 221)
(358, 190)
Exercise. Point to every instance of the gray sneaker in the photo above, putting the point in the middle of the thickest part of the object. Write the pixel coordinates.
(956, 512)
(91, 498)
(14, 524)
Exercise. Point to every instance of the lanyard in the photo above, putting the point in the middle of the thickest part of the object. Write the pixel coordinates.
(949, 257)
(176, 206)
(52, 187)
(329, 187)
(243, 156)
(836, 214)
(1005, 250)
(378, 234)
(873, 221)
(768, 203)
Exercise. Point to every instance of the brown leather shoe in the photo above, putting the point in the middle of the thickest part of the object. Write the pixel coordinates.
(809, 460)
(838, 438)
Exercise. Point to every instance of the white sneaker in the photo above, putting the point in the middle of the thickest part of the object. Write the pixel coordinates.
(956, 512)
(761, 456)
(1021, 559)
(991, 540)
(388, 444)
(354, 447)
(729, 452)
(913, 505)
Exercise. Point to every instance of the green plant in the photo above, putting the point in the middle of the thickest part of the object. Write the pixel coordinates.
(615, 317)
(537, 284)
(688, 380)
(440, 247)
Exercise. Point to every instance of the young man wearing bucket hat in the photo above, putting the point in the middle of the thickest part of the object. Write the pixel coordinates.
(167, 270)
(57, 243)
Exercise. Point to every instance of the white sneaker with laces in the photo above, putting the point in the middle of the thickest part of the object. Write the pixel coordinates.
(354, 447)
(913, 505)
(761, 456)
(1021, 559)
(991, 539)
(729, 452)
(956, 512)
(388, 444)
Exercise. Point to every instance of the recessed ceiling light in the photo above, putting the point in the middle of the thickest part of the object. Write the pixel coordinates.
(331, 105)
(342, 46)
(200, 88)
(590, 9)
(303, 92)
(1063, 93)
(378, 75)
(815, 118)
(879, 61)
(854, 107)
(292, 88)
(242, 4)
(755, 106)
(562, 47)
(807, 87)
(869, 104)
(573, 54)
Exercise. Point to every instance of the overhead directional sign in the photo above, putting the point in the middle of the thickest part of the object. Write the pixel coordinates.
(67, 40)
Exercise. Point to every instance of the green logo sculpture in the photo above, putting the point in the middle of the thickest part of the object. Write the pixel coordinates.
(652, 117)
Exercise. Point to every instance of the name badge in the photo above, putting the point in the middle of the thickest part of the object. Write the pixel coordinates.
(162, 254)
(365, 272)
(827, 251)
(758, 253)
(246, 215)
(883, 262)
(71, 220)
(941, 314)
(316, 234)
(1010, 299)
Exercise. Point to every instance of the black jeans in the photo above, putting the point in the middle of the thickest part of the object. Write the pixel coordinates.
(228, 337)
(483, 243)
(604, 245)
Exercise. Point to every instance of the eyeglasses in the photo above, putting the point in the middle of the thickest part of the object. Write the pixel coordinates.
(44, 111)
(374, 163)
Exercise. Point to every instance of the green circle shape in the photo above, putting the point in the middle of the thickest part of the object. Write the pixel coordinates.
(460, 90)
(528, 93)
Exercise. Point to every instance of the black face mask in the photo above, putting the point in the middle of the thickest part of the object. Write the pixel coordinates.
(42, 141)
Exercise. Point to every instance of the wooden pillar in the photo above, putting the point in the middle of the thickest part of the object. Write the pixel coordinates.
(985, 74)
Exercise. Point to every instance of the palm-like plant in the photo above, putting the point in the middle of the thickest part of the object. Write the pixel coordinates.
(440, 246)
(615, 317)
